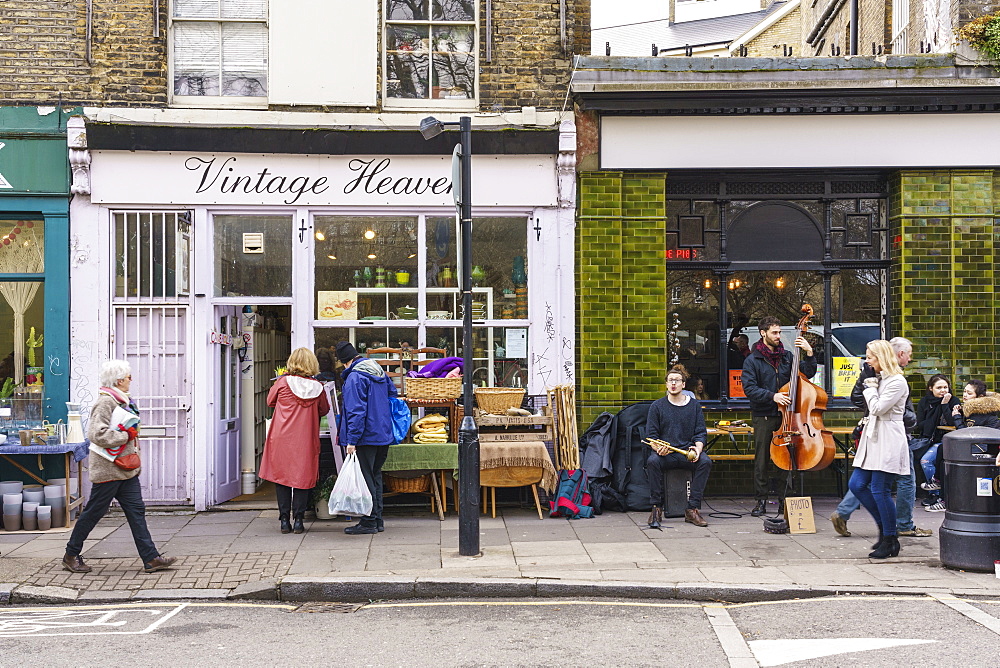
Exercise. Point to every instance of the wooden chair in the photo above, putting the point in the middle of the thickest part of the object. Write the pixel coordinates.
(392, 362)
(419, 361)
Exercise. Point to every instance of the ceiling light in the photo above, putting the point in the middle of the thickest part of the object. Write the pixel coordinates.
(371, 256)
(780, 283)
(411, 256)
(369, 234)
(320, 236)
(332, 257)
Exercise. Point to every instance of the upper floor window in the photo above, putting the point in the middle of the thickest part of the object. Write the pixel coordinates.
(430, 52)
(219, 49)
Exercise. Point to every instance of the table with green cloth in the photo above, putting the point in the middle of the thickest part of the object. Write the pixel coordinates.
(438, 459)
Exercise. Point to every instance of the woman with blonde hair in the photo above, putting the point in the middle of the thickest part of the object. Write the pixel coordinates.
(291, 451)
(883, 449)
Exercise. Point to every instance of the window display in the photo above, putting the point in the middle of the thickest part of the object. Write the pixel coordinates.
(253, 256)
(393, 282)
(22, 311)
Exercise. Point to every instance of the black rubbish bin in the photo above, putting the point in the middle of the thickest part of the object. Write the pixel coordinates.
(970, 534)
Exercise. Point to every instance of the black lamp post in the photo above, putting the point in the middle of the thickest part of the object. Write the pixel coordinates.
(468, 435)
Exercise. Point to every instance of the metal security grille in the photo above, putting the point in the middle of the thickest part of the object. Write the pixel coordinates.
(151, 330)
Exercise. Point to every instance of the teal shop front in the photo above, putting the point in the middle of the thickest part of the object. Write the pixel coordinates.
(34, 265)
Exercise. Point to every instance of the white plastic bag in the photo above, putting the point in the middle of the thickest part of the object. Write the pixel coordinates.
(350, 495)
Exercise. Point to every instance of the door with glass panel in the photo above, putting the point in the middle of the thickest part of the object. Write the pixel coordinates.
(226, 337)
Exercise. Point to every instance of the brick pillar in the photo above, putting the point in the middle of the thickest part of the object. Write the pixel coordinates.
(943, 279)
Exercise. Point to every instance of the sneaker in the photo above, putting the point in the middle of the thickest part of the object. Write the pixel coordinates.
(931, 486)
(938, 507)
(839, 524)
(930, 500)
(917, 532)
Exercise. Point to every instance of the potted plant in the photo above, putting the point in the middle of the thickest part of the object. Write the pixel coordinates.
(321, 498)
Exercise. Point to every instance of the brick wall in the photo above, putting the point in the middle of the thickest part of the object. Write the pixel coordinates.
(529, 67)
(43, 50)
(943, 278)
(786, 31)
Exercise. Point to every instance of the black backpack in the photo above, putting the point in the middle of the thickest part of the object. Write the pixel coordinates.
(629, 456)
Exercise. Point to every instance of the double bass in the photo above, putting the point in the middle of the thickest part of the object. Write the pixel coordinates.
(802, 443)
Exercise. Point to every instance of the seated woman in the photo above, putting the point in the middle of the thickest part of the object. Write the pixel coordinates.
(979, 408)
(933, 412)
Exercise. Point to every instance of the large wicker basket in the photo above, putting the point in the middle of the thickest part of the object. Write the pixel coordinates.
(497, 400)
(420, 483)
(443, 389)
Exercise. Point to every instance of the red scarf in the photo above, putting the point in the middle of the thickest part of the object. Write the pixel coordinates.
(773, 357)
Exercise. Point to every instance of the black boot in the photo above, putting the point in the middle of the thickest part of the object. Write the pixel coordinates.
(760, 508)
(298, 526)
(286, 526)
(888, 547)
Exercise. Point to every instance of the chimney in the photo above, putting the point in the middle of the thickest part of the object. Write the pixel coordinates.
(672, 15)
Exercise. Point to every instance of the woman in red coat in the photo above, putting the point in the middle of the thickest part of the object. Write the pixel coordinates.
(291, 451)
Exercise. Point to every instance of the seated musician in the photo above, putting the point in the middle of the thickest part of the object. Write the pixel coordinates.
(678, 420)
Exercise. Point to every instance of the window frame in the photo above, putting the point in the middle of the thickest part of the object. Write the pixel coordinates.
(429, 102)
(211, 101)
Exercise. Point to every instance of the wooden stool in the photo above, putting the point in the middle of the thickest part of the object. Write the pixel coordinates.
(511, 476)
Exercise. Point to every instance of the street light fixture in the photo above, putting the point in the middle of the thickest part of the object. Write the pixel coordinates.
(468, 435)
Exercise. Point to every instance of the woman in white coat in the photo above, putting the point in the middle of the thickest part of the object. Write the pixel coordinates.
(883, 451)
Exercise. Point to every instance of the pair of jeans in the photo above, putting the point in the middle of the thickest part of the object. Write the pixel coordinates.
(928, 462)
(657, 464)
(906, 496)
(763, 429)
(292, 500)
(873, 490)
(128, 493)
(371, 458)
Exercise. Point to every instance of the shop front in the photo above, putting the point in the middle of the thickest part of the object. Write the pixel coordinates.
(34, 267)
(220, 263)
(711, 201)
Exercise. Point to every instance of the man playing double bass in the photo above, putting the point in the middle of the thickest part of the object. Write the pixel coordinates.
(765, 371)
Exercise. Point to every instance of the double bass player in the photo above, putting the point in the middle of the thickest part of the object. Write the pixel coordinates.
(765, 371)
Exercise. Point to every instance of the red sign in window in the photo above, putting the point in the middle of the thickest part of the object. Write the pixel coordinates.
(682, 254)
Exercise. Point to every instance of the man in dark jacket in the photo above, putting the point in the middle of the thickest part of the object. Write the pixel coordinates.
(765, 371)
(367, 425)
(906, 486)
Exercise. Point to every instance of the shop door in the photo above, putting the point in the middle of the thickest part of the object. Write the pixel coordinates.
(152, 340)
(227, 403)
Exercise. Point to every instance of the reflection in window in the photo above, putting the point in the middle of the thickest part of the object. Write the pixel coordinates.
(430, 49)
(253, 256)
(215, 55)
(152, 254)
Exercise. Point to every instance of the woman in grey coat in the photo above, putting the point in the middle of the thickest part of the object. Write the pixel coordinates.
(109, 481)
(883, 449)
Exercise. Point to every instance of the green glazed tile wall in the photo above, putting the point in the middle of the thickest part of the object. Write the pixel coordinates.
(943, 278)
(621, 288)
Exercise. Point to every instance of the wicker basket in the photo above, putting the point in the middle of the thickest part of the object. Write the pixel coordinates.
(421, 483)
(434, 388)
(497, 400)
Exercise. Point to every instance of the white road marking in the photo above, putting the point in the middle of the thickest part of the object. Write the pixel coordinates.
(778, 652)
(732, 640)
(19, 623)
(970, 611)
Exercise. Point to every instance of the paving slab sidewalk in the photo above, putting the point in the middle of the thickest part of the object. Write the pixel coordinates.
(241, 554)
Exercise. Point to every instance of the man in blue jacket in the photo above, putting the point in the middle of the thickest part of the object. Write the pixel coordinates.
(366, 425)
(766, 370)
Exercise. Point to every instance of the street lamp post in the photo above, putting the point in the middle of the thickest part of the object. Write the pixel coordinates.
(468, 435)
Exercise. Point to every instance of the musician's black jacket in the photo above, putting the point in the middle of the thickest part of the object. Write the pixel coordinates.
(761, 380)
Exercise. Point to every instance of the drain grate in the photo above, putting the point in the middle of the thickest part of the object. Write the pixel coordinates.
(328, 607)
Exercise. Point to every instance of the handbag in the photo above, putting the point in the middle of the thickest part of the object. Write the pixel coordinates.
(918, 443)
(856, 434)
(129, 462)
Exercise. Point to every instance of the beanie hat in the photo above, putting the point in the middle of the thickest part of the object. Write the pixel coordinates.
(346, 351)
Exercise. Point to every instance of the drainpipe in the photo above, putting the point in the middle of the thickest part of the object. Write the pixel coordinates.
(853, 51)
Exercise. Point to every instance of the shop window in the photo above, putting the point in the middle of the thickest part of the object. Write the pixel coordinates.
(152, 255)
(22, 312)
(253, 256)
(368, 272)
(219, 48)
(430, 52)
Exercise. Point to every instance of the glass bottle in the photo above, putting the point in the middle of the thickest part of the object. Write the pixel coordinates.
(366, 273)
